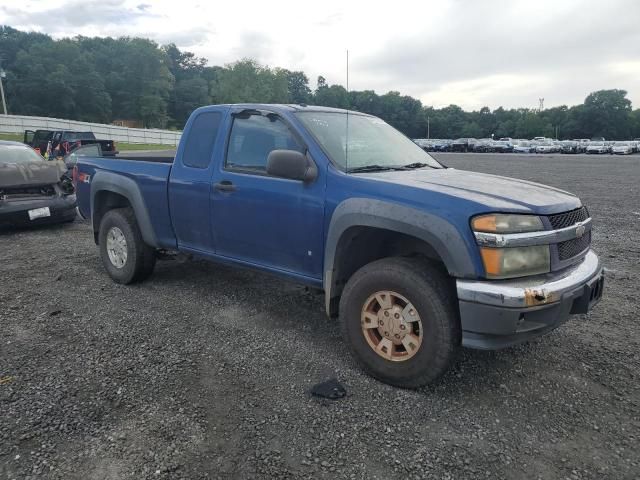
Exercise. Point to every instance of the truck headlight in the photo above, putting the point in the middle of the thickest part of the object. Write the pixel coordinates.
(514, 261)
(506, 223)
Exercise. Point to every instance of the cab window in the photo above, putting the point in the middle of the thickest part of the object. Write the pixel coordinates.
(202, 137)
(254, 137)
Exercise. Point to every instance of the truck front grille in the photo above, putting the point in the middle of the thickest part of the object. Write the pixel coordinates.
(571, 248)
(574, 247)
(566, 219)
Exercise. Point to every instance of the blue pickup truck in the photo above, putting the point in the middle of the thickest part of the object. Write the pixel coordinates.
(415, 258)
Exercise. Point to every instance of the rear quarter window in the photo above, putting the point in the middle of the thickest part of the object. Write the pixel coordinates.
(202, 136)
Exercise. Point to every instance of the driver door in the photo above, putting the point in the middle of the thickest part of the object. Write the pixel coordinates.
(267, 221)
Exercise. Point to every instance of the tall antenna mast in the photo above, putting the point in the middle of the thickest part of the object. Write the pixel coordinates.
(346, 146)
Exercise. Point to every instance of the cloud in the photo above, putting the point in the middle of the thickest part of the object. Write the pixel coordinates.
(75, 15)
(255, 45)
(183, 39)
(494, 52)
(490, 48)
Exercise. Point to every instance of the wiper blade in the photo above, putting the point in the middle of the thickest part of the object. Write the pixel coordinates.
(418, 165)
(374, 168)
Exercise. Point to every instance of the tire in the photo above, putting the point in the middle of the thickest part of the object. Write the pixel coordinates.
(431, 292)
(140, 257)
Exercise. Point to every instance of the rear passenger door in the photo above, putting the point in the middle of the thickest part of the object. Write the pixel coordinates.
(190, 180)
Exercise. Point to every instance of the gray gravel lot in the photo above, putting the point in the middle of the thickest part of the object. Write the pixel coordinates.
(203, 371)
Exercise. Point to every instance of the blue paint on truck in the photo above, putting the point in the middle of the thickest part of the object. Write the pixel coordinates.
(367, 196)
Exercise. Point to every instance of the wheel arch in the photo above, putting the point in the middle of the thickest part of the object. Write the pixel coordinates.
(363, 230)
(109, 191)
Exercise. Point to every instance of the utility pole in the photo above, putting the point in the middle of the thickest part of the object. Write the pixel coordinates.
(4, 101)
(428, 127)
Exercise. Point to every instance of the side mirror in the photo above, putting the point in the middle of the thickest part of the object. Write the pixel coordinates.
(291, 164)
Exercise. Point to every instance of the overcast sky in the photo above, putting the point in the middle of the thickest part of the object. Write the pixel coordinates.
(471, 53)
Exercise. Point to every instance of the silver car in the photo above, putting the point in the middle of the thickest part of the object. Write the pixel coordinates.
(622, 148)
(597, 148)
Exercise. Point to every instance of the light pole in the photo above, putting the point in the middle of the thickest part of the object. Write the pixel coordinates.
(4, 101)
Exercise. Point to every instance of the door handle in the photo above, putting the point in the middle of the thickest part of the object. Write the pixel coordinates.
(224, 186)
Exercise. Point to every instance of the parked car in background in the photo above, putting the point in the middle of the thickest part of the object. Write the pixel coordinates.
(523, 146)
(581, 144)
(67, 140)
(547, 147)
(32, 190)
(483, 145)
(463, 145)
(503, 146)
(568, 146)
(597, 148)
(441, 146)
(622, 148)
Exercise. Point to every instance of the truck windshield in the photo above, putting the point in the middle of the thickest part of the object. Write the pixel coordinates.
(372, 142)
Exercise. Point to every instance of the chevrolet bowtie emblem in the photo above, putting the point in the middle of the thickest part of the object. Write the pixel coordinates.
(580, 229)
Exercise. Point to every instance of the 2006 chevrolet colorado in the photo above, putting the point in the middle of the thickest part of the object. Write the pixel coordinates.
(415, 258)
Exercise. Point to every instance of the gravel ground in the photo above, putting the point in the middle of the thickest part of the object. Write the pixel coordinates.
(203, 371)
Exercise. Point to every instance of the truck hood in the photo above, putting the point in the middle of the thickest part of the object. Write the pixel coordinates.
(494, 192)
(32, 173)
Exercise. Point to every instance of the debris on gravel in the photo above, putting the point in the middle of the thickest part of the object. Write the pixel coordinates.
(203, 371)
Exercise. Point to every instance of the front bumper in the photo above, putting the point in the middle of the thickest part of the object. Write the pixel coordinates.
(500, 313)
(15, 213)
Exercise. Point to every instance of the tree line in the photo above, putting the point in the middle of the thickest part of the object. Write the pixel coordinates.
(102, 79)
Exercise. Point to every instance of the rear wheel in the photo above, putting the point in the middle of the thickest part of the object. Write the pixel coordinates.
(124, 254)
(399, 318)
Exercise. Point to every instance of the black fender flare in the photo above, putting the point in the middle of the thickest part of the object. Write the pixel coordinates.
(112, 182)
(440, 234)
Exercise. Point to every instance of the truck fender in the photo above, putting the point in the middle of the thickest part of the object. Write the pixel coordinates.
(440, 234)
(112, 182)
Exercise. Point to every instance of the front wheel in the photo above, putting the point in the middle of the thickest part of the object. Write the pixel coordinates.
(124, 254)
(399, 318)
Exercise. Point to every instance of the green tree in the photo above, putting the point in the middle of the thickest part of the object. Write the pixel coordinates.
(531, 124)
(334, 96)
(297, 87)
(63, 83)
(606, 114)
(247, 81)
(635, 123)
(137, 77)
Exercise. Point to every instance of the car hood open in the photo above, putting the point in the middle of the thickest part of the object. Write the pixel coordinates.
(495, 192)
(31, 173)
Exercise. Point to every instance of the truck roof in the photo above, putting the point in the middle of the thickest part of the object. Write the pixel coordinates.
(291, 107)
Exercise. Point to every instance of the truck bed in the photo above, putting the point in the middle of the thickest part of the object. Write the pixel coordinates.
(149, 176)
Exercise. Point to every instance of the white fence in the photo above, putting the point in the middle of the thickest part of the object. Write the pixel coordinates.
(19, 123)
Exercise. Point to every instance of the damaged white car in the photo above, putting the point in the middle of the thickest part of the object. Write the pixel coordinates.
(33, 190)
